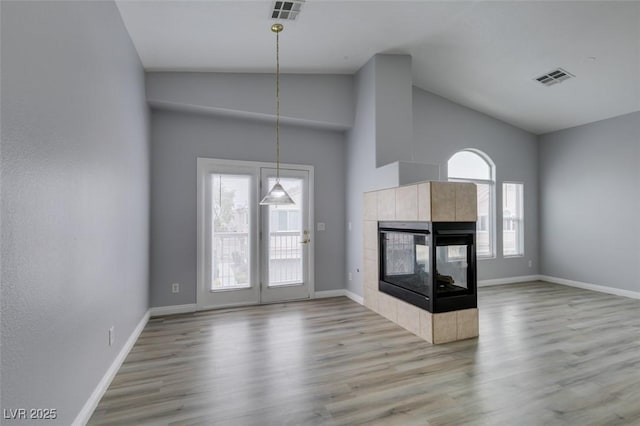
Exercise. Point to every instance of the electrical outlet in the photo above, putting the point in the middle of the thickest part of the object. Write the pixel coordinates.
(112, 336)
(349, 225)
(530, 264)
(175, 288)
(350, 276)
(321, 226)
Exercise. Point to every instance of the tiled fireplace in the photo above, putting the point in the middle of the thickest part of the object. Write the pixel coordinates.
(416, 227)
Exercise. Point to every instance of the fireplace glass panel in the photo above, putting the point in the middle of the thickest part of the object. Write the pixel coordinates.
(451, 269)
(406, 261)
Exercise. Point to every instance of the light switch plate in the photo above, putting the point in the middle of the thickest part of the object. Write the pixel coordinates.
(321, 226)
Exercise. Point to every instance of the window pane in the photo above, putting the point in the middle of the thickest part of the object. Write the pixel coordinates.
(282, 220)
(468, 165)
(484, 242)
(230, 231)
(512, 219)
(294, 220)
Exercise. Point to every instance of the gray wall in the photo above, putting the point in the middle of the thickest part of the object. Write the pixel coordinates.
(393, 92)
(441, 128)
(360, 157)
(590, 199)
(361, 172)
(75, 200)
(311, 99)
(179, 138)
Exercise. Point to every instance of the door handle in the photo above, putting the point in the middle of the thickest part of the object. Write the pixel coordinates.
(306, 238)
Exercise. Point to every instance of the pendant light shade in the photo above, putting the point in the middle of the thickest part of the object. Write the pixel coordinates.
(277, 196)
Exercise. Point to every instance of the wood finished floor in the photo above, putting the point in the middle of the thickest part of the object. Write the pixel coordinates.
(546, 355)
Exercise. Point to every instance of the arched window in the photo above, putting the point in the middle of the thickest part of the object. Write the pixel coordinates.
(474, 166)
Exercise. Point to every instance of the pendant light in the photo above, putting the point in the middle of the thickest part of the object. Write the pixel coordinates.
(277, 196)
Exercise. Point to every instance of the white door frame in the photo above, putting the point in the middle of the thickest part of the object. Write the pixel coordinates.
(204, 167)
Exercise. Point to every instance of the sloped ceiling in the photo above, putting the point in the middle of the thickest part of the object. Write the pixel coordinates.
(484, 55)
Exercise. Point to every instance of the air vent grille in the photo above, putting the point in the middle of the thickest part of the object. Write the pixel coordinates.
(287, 10)
(554, 77)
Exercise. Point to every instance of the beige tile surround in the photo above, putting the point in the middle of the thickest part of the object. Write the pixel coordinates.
(437, 201)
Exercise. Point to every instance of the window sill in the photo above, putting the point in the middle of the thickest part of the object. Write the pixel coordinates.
(492, 257)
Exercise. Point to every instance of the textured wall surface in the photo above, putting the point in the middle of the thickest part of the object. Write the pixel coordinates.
(75, 200)
(589, 180)
(178, 139)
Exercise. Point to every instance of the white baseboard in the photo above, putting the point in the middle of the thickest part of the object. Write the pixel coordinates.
(329, 293)
(593, 287)
(87, 410)
(351, 295)
(509, 280)
(561, 281)
(173, 309)
(338, 293)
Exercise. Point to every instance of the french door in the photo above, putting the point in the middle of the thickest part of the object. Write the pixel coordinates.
(247, 253)
(285, 238)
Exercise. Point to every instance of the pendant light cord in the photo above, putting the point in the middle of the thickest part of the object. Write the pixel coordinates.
(277, 195)
(278, 106)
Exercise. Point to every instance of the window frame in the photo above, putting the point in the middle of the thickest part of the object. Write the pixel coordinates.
(492, 222)
(522, 218)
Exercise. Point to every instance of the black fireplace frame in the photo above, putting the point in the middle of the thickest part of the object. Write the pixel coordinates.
(435, 233)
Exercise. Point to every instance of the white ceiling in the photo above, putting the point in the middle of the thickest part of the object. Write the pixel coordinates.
(484, 55)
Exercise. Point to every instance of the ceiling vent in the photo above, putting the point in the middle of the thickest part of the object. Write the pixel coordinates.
(556, 76)
(287, 10)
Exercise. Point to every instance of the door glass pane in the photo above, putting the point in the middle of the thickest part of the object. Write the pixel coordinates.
(230, 240)
(286, 236)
